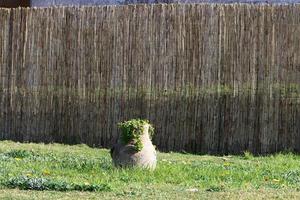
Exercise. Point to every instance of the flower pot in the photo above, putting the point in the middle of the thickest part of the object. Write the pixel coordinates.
(126, 155)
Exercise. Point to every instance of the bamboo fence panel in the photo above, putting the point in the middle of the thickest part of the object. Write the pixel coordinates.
(212, 78)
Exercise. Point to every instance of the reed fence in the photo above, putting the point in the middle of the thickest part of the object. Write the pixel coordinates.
(212, 78)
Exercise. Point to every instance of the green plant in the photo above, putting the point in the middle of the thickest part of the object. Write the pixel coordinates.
(92, 187)
(41, 184)
(18, 153)
(215, 188)
(248, 155)
(292, 176)
(132, 131)
(27, 183)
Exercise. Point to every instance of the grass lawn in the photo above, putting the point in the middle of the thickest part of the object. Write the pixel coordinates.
(80, 172)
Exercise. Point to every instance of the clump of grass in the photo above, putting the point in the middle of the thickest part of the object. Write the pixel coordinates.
(248, 155)
(41, 184)
(292, 177)
(18, 153)
(132, 131)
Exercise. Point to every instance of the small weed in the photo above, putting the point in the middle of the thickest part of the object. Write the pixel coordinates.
(92, 187)
(248, 155)
(215, 188)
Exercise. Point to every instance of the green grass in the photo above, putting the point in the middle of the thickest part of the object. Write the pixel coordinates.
(75, 170)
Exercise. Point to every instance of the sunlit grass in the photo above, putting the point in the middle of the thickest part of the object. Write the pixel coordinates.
(69, 168)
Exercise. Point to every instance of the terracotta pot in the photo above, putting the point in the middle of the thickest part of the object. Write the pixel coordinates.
(125, 155)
